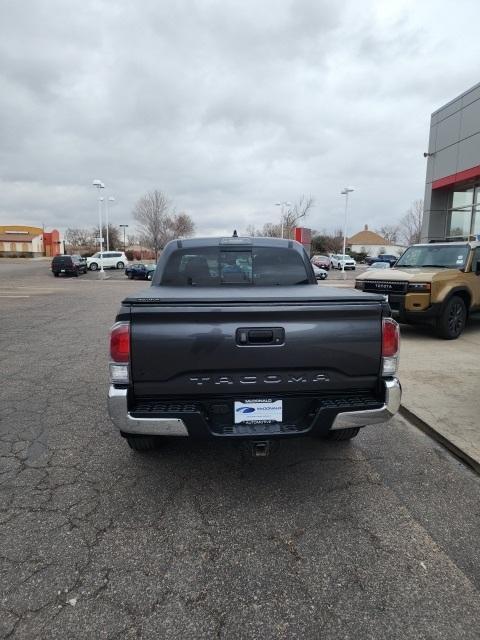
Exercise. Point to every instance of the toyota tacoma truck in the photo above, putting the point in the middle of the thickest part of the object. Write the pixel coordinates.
(434, 283)
(234, 339)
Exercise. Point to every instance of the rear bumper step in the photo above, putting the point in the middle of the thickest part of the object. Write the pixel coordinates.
(393, 397)
(174, 426)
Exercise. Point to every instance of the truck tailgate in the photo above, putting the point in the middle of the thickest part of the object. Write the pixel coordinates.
(297, 341)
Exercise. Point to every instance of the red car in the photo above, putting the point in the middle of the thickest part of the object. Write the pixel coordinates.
(322, 262)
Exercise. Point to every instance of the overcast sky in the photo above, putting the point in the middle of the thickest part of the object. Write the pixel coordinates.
(228, 106)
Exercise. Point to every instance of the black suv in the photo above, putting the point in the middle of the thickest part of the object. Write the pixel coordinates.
(68, 265)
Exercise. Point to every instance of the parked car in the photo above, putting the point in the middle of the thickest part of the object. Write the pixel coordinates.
(110, 259)
(323, 262)
(320, 274)
(276, 357)
(68, 265)
(434, 283)
(379, 265)
(140, 271)
(337, 260)
(383, 257)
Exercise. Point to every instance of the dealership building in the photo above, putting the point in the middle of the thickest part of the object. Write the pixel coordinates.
(452, 192)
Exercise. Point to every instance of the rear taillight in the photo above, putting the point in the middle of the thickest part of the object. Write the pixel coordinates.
(390, 346)
(120, 353)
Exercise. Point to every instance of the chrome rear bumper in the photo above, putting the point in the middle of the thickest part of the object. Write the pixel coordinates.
(393, 397)
(121, 418)
(118, 410)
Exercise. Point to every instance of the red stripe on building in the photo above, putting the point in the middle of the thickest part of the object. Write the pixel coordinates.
(461, 176)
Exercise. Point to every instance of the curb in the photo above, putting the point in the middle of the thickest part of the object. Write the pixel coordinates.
(438, 437)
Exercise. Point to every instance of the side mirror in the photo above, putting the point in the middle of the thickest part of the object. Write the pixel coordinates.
(477, 268)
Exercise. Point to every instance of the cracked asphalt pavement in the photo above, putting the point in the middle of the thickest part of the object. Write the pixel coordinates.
(377, 538)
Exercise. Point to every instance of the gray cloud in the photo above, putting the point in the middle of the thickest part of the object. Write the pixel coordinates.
(228, 107)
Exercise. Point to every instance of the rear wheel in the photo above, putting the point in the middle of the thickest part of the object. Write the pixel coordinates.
(120, 265)
(337, 435)
(130, 276)
(143, 443)
(93, 266)
(452, 321)
(56, 274)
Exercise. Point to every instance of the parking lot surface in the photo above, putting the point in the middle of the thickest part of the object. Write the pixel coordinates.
(377, 538)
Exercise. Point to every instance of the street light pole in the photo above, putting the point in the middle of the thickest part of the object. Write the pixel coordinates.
(345, 193)
(109, 199)
(283, 205)
(98, 184)
(124, 227)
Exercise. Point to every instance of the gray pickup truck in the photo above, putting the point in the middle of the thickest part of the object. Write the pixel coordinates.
(234, 339)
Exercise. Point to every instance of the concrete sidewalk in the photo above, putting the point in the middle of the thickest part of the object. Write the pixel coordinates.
(441, 385)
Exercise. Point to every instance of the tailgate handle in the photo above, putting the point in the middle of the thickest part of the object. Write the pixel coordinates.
(247, 336)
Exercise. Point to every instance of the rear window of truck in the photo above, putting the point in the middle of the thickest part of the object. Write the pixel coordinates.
(216, 266)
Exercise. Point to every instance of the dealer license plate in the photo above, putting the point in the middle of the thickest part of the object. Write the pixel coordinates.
(252, 411)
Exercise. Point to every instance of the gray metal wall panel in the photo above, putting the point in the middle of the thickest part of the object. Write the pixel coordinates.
(470, 120)
(445, 162)
(449, 109)
(470, 96)
(432, 139)
(437, 225)
(469, 153)
(448, 131)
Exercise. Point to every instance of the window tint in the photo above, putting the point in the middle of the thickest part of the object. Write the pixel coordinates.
(62, 260)
(216, 266)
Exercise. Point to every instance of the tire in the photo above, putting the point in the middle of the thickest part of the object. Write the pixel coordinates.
(93, 266)
(142, 443)
(56, 274)
(452, 322)
(120, 265)
(130, 276)
(76, 274)
(339, 435)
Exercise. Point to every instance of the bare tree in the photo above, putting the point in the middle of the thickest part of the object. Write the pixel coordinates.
(293, 215)
(79, 237)
(132, 239)
(272, 230)
(390, 232)
(252, 231)
(411, 224)
(114, 240)
(182, 226)
(325, 242)
(157, 225)
(151, 213)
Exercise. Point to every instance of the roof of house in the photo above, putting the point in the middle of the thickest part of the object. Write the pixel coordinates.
(367, 237)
